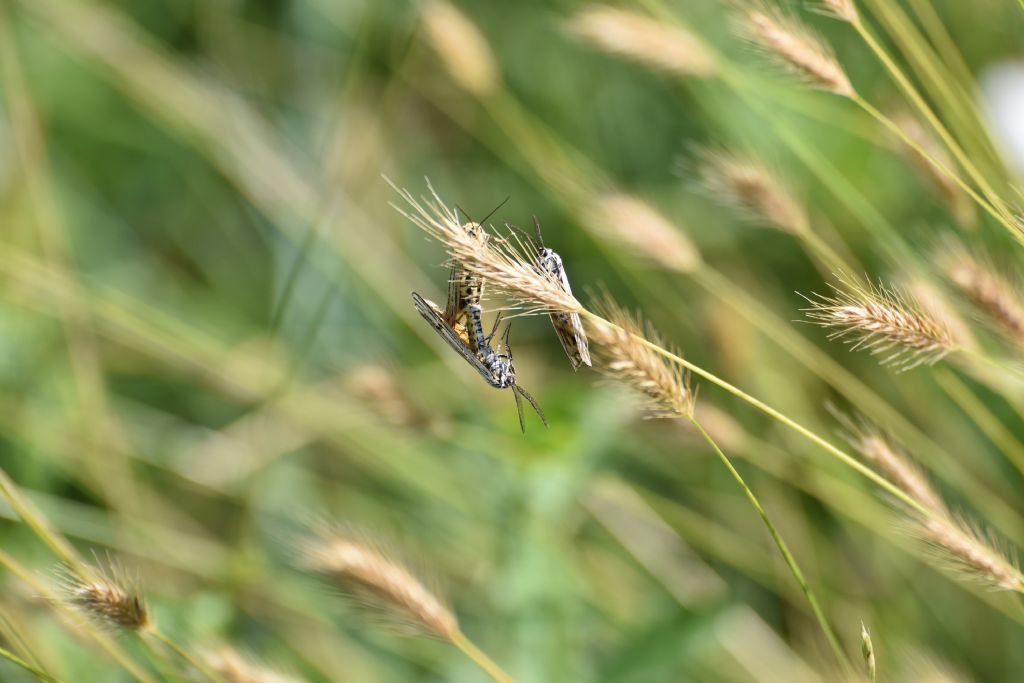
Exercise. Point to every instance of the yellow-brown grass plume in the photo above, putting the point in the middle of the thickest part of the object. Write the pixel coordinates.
(937, 305)
(745, 184)
(951, 541)
(980, 282)
(357, 564)
(956, 200)
(643, 39)
(107, 598)
(890, 461)
(233, 667)
(794, 46)
(508, 264)
(883, 320)
(623, 357)
(461, 47)
(844, 10)
(637, 225)
(957, 545)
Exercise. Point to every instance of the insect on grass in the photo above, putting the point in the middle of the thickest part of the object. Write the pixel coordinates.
(567, 325)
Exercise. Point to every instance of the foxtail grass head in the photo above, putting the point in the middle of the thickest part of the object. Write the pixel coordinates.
(359, 566)
(787, 42)
(508, 264)
(233, 667)
(633, 223)
(643, 39)
(109, 598)
(882, 320)
(624, 357)
(985, 287)
(461, 47)
(746, 185)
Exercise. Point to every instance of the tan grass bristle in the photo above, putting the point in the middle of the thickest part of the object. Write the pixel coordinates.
(233, 667)
(958, 546)
(357, 564)
(508, 264)
(956, 200)
(635, 224)
(461, 47)
(937, 305)
(643, 39)
(745, 184)
(623, 357)
(794, 46)
(844, 10)
(980, 282)
(890, 461)
(107, 598)
(882, 320)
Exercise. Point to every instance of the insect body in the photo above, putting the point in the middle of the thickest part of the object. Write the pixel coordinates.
(568, 326)
(496, 368)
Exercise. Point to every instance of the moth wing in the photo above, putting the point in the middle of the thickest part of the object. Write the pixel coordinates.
(432, 314)
(568, 326)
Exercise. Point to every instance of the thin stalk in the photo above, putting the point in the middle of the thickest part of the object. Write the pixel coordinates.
(837, 453)
(926, 111)
(194, 662)
(14, 659)
(791, 562)
(480, 658)
(952, 175)
(975, 408)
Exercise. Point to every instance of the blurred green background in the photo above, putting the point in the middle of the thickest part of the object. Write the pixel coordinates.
(206, 338)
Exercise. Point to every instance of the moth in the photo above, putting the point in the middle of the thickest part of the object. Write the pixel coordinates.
(496, 368)
(568, 326)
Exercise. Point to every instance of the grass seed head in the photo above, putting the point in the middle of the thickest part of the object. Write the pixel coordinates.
(508, 264)
(789, 43)
(746, 185)
(844, 10)
(883, 320)
(461, 47)
(984, 286)
(234, 667)
(360, 566)
(643, 39)
(956, 200)
(107, 598)
(623, 357)
(635, 224)
(962, 548)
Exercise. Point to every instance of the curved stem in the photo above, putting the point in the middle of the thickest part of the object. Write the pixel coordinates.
(480, 658)
(791, 562)
(837, 453)
(14, 659)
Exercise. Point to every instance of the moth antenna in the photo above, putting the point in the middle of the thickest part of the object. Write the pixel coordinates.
(536, 227)
(504, 340)
(525, 394)
(494, 327)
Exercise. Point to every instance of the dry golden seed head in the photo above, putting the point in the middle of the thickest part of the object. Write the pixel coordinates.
(936, 305)
(461, 47)
(882, 320)
(233, 667)
(358, 565)
(643, 39)
(623, 357)
(890, 461)
(795, 47)
(955, 199)
(980, 282)
(106, 598)
(634, 223)
(508, 264)
(960, 547)
(746, 185)
(843, 10)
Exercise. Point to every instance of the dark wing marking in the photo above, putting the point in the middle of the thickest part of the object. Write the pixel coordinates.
(432, 314)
